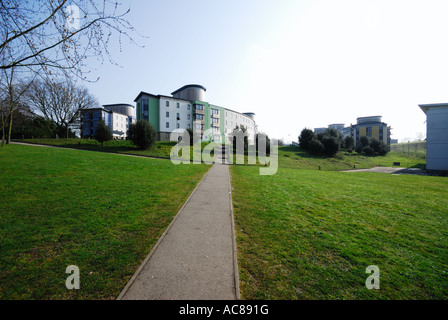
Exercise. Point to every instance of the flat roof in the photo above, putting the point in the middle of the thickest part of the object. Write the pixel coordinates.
(425, 107)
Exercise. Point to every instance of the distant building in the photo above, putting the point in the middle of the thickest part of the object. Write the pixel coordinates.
(436, 136)
(393, 141)
(337, 126)
(185, 108)
(117, 116)
(371, 126)
(320, 130)
(366, 126)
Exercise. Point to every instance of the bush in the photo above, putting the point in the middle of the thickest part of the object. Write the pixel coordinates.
(375, 146)
(331, 145)
(316, 147)
(384, 149)
(142, 134)
(348, 143)
(306, 136)
(368, 150)
(103, 132)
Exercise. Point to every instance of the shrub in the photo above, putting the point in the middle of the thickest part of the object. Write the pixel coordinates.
(142, 134)
(316, 147)
(103, 132)
(348, 143)
(384, 149)
(368, 150)
(374, 145)
(331, 145)
(305, 138)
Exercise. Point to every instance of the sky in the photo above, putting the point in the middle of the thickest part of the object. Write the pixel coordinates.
(294, 63)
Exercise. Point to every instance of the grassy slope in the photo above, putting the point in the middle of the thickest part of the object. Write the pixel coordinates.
(161, 149)
(98, 211)
(305, 234)
(293, 157)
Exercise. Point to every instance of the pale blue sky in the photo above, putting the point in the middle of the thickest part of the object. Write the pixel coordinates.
(294, 63)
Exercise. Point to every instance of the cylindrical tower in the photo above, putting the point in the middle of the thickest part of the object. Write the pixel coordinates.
(190, 92)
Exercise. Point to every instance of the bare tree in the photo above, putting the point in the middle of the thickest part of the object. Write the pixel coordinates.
(48, 37)
(11, 98)
(60, 102)
(59, 35)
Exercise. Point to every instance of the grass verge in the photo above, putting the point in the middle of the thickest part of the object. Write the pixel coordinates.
(98, 211)
(305, 234)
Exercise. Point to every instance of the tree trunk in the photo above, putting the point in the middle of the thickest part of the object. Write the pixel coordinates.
(3, 136)
(10, 126)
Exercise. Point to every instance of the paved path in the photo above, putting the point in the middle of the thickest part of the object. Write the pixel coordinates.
(196, 257)
(393, 170)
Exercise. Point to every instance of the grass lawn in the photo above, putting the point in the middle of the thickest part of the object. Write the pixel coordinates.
(294, 157)
(161, 149)
(305, 234)
(101, 212)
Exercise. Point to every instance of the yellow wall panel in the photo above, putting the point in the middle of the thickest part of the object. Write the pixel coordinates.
(362, 131)
(376, 132)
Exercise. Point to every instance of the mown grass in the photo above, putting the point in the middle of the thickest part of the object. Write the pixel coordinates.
(294, 157)
(161, 149)
(101, 212)
(305, 234)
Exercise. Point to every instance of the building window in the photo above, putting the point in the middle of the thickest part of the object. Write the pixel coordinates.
(145, 109)
(188, 116)
(215, 111)
(167, 114)
(178, 106)
(167, 135)
(188, 126)
(215, 120)
(178, 126)
(167, 103)
(178, 115)
(167, 124)
(199, 117)
(188, 107)
(199, 107)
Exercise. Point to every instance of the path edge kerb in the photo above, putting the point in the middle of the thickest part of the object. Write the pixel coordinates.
(154, 248)
(235, 255)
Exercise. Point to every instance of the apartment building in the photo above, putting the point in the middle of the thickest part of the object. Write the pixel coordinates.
(185, 108)
(117, 116)
(371, 126)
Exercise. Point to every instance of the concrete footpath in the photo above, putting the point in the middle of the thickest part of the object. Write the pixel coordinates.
(195, 259)
(392, 170)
